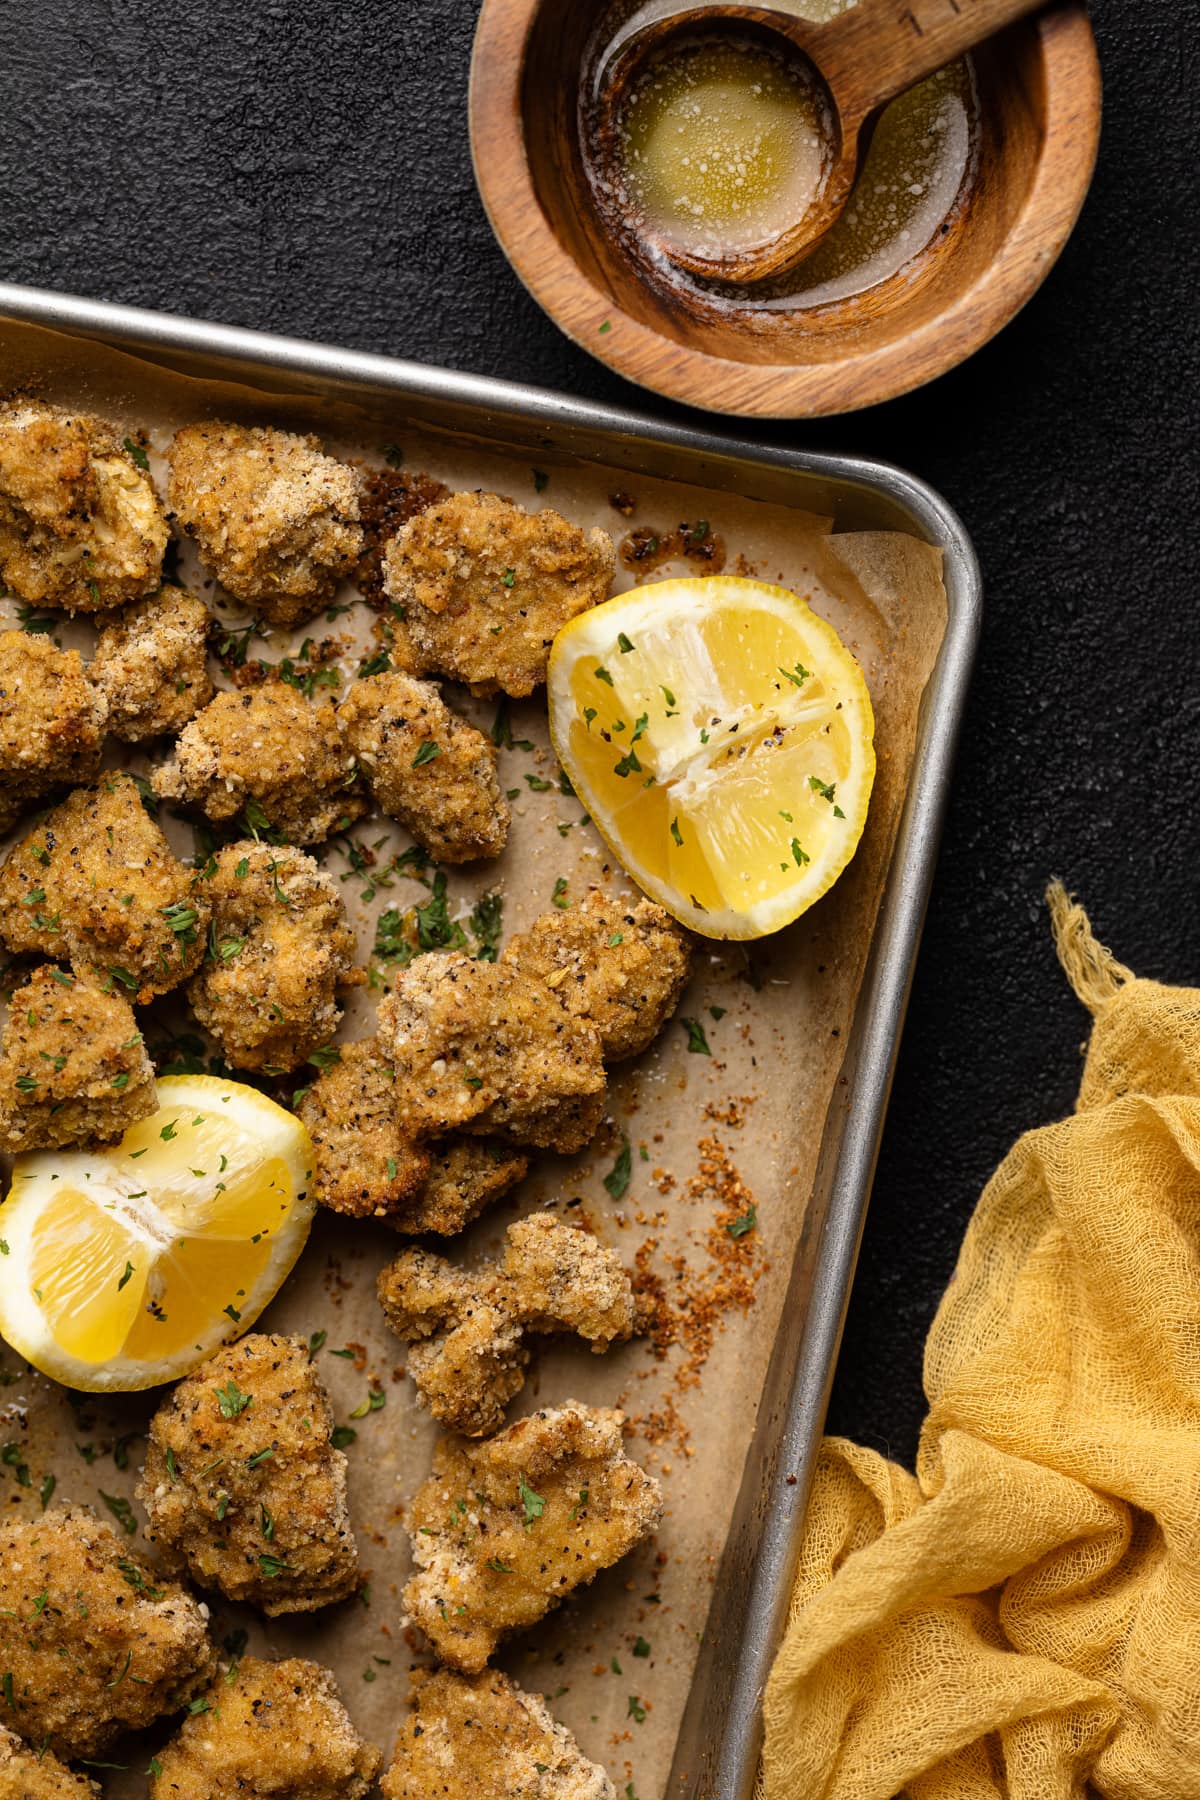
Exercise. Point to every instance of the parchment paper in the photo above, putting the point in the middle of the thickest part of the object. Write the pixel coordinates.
(776, 1020)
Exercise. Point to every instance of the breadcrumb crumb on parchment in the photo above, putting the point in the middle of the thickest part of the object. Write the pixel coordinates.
(484, 1738)
(96, 1640)
(276, 1728)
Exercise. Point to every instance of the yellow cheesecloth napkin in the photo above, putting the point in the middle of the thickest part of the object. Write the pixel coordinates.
(1022, 1619)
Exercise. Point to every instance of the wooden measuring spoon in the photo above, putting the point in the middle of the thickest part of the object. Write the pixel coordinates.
(862, 58)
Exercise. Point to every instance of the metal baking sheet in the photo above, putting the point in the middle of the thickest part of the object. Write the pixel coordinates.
(821, 1012)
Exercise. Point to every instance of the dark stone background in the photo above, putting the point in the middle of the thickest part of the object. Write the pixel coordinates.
(304, 168)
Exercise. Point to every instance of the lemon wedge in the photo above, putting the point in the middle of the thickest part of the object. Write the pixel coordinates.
(127, 1266)
(720, 735)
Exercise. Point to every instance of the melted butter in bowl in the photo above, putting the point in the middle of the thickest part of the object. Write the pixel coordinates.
(722, 145)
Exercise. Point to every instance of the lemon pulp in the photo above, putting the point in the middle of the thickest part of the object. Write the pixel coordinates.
(721, 736)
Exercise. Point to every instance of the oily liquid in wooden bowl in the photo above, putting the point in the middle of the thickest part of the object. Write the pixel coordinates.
(720, 143)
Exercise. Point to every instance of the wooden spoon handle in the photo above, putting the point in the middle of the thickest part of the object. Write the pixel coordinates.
(879, 48)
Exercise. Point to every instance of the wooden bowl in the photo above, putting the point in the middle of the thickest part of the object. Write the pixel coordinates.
(1039, 124)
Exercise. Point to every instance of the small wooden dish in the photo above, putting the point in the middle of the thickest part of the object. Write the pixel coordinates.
(1039, 124)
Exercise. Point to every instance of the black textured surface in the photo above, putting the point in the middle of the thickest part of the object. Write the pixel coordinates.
(304, 168)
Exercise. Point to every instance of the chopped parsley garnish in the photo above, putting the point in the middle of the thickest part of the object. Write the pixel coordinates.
(617, 1180)
(636, 1710)
(559, 896)
(121, 1511)
(232, 1401)
(508, 577)
(624, 644)
(628, 765)
(274, 1565)
(740, 1226)
(539, 784)
(603, 675)
(697, 1042)
(797, 674)
(138, 454)
(126, 1277)
(676, 834)
(316, 1343)
(533, 1504)
(426, 753)
(641, 1647)
(799, 856)
(486, 922)
(342, 1436)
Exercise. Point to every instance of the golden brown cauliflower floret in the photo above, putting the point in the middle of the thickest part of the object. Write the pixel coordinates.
(27, 1774)
(274, 518)
(271, 755)
(464, 1175)
(504, 1530)
(52, 722)
(483, 1738)
(80, 523)
(97, 1642)
(470, 1329)
(484, 587)
(151, 664)
(475, 1045)
(366, 1162)
(253, 1502)
(270, 1728)
(620, 965)
(279, 950)
(426, 767)
(95, 883)
(73, 1067)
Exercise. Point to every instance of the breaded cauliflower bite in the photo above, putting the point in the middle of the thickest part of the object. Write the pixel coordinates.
(465, 1175)
(253, 1499)
(276, 1728)
(52, 722)
(279, 950)
(73, 1067)
(620, 965)
(95, 883)
(502, 1531)
(274, 518)
(470, 1328)
(95, 1639)
(474, 1044)
(80, 524)
(365, 1162)
(483, 1738)
(151, 664)
(368, 1162)
(426, 767)
(483, 587)
(27, 1774)
(271, 755)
